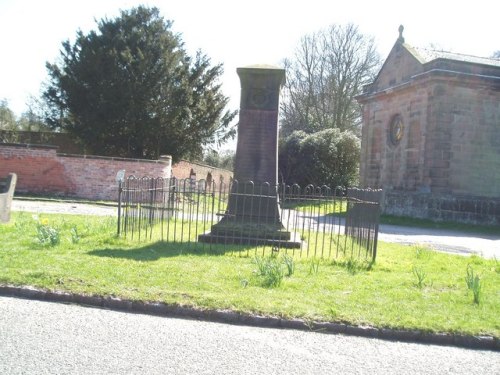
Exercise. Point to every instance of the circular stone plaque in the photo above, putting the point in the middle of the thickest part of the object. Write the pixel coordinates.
(396, 130)
(259, 98)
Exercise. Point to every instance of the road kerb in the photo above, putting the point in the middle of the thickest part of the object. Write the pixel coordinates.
(232, 317)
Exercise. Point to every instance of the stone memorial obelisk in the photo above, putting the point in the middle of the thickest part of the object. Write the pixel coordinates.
(253, 214)
(257, 148)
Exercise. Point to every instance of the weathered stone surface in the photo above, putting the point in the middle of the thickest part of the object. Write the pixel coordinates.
(472, 210)
(7, 188)
(257, 148)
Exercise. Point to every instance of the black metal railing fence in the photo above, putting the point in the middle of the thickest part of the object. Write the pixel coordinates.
(327, 222)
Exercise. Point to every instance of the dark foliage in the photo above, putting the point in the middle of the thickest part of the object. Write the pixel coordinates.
(130, 89)
(328, 157)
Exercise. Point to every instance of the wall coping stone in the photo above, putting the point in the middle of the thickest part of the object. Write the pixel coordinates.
(160, 161)
(164, 159)
(29, 145)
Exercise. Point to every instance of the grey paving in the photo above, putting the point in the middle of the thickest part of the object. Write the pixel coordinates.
(53, 338)
(53, 207)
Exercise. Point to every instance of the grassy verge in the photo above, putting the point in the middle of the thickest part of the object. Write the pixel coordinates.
(326, 207)
(407, 288)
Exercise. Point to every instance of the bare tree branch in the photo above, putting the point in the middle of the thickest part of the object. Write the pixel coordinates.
(328, 70)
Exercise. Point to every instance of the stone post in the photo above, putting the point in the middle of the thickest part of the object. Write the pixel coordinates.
(6, 194)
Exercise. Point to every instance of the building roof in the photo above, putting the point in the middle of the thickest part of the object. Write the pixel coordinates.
(426, 55)
(406, 63)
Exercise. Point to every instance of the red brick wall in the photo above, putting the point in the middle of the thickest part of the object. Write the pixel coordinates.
(40, 170)
(182, 169)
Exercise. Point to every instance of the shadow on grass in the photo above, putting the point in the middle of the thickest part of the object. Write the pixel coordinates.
(353, 265)
(157, 250)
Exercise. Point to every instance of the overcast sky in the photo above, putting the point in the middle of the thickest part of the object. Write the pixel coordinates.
(237, 33)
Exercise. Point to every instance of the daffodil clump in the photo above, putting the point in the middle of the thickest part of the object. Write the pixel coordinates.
(46, 234)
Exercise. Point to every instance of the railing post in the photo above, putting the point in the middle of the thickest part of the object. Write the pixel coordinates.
(120, 189)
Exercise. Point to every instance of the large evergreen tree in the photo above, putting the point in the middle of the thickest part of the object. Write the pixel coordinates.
(130, 89)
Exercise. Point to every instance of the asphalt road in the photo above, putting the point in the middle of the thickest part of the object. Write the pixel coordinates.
(53, 338)
(487, 246)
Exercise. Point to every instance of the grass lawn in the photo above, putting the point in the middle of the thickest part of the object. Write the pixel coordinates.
(407, 288)
(325, 207)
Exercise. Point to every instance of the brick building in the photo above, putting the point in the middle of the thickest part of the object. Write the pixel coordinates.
(431, 135)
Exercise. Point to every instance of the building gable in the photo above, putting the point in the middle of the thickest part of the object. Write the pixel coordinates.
(401, 64)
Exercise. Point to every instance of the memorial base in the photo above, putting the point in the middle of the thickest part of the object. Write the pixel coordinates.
(254, 234)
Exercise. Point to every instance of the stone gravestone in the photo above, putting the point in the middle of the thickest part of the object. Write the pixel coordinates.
(7, 187)
(252, 215)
